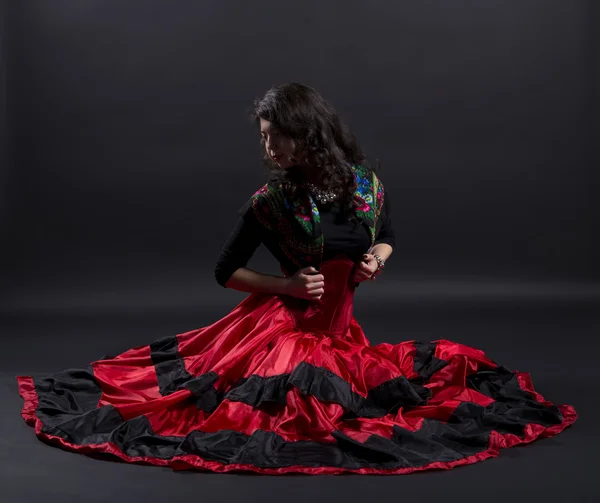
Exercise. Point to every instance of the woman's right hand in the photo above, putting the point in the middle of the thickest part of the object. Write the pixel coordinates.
(306, 283)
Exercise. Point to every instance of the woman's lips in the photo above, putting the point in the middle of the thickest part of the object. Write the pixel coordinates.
(277, 157)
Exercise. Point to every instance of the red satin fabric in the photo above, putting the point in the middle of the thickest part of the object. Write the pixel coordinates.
(270, 335)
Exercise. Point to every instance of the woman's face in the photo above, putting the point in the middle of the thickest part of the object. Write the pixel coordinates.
(279, 148)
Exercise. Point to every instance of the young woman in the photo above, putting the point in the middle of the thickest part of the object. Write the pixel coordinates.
(287, 381)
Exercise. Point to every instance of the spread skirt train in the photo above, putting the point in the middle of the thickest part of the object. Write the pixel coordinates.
(283, 385)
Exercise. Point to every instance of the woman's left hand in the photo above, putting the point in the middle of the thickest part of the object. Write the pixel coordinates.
(365, 268)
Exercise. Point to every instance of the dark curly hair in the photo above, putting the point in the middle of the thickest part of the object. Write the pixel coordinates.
(301, 113)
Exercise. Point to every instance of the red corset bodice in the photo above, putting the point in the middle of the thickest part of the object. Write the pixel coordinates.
(332, 313)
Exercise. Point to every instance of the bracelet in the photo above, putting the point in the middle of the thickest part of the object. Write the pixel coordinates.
(380, 266)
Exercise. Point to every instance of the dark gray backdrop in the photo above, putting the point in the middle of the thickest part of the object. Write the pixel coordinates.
(125, 153)
(128, 150)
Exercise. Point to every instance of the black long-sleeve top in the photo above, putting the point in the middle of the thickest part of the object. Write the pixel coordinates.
(350, 238)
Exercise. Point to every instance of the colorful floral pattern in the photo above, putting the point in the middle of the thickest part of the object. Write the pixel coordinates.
(304, 247)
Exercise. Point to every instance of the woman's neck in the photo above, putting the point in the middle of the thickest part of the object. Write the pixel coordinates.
(312, 174)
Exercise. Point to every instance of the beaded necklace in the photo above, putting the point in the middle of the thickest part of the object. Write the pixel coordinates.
(322, 195)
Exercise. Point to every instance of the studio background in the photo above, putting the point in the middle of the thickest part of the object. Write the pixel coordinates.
(125, 152)
(127, 148)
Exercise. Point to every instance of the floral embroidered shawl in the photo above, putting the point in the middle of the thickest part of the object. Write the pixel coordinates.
(300, 237)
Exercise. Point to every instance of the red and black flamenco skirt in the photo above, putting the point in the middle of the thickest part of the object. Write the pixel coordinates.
(283, 385)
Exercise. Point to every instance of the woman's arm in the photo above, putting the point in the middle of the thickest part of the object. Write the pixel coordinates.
(247, 280)
(383, 250)
(231, 271)
(385, 240)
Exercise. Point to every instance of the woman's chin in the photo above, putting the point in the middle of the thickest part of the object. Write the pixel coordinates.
(283, 164)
